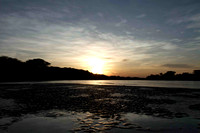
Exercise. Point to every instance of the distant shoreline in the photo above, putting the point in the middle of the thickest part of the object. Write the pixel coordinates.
(12, 69)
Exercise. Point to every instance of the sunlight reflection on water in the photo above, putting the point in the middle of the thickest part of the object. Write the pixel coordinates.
(148, 83)
(144, 83)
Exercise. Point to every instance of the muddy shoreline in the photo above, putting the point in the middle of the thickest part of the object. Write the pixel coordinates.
(106, 102)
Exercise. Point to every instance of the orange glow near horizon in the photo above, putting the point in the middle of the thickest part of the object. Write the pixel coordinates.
(96, 65)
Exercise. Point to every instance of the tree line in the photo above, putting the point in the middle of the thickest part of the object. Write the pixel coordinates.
(171, 75)
(12, 69)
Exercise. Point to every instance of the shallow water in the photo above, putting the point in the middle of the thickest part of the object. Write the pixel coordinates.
(60, 121)
(148, 83)
(61, 108)
(145, 83)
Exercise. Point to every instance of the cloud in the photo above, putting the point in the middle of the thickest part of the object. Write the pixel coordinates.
(194, 21)
(124, 60)
(70, 32)
(168, 46)
(191, 21)
(70, 41)
(177, 66)
(100, 14)
(176, 40)
(122, 21)
(141, 16)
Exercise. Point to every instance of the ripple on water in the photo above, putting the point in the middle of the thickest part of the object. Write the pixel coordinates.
(63, 121)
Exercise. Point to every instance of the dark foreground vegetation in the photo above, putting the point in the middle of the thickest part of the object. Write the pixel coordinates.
(12, 69)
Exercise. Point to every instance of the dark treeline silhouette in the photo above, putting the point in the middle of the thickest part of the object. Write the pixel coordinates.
(171, 75)
(12, 69)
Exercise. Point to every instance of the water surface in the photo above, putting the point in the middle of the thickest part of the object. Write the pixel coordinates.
(147, 83)
(63, 107)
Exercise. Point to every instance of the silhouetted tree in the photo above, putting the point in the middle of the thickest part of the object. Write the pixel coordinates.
(196, 74)
(10, 68)
(6, 62)
(37, 63)
(154, 77)
(169, 75)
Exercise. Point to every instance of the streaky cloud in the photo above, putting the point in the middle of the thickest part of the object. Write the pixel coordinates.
(177, 66)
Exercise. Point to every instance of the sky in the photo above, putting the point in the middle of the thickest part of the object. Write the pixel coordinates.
(113, 37)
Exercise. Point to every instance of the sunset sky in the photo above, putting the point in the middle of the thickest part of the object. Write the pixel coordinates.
(113, 37)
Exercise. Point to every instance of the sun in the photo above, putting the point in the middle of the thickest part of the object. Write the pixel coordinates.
(96, 65)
